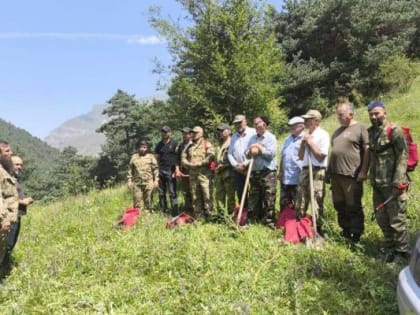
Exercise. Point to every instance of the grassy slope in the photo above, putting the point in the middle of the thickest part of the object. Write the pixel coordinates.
(70, 260)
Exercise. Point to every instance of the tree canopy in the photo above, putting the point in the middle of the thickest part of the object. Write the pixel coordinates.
(226, 61)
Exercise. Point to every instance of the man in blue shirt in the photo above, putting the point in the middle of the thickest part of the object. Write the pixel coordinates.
(262, 196)
(290, 165)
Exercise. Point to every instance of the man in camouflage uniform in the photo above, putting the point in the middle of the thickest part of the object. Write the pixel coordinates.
(388, 166)
(9, 200)
(181, 171)
(197, 160)
(224, 179)
(143, 176)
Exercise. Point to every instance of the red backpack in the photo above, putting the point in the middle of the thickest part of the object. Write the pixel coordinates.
(412, 152)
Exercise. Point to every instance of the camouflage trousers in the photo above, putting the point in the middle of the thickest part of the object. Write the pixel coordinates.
(347, 199)
(287, 195)
(225, 192)
(201, 186)
(392, 219)
(303, 197)
(143, 194)
(262, 196)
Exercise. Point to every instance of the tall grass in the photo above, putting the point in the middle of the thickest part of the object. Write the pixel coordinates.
(71, 259)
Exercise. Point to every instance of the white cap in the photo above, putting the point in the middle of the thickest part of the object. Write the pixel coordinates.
(296, 120)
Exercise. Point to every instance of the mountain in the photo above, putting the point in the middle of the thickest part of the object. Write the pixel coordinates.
(80, 132)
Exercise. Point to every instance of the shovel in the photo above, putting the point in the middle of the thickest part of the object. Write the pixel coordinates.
(243, 197)
(317, 241)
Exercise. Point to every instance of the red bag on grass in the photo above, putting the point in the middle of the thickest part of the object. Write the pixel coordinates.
(179, 220)
(129, 217)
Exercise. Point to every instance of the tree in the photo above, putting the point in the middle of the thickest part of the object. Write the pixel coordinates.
(226, 61)
(335, 48)
(129, 121)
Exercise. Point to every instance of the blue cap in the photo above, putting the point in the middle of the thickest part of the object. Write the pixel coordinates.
(376, 104)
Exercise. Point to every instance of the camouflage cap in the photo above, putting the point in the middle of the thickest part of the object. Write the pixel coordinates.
(197, 129)
(312, 113)
(165, 129)
(238, 119)
(186, 129)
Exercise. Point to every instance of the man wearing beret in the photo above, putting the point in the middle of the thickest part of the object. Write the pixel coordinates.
(388, 175)
(290, 165)
(167, 157)
(224, 179)
(314, 148)
(197, 159)
(262, 195)
(143, 176)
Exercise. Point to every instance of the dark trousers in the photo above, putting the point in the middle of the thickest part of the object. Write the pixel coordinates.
(168, 183)
(12, 237)
(239, 187)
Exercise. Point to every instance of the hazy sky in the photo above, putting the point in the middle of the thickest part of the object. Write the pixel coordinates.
(58, 58)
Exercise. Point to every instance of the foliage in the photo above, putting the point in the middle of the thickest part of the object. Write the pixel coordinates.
(226, 61)
(337, 47)
(398, 73)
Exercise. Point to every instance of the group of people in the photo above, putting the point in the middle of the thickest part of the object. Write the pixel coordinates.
(343, 160)
(13, 203)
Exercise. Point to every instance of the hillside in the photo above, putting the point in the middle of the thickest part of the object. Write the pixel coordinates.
(39, 158)
(80, 132)
(72, 260)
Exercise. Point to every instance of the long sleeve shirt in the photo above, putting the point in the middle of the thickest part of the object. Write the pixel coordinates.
(267, 158)
(238, 145)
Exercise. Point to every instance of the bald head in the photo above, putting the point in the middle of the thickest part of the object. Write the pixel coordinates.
(17, 164)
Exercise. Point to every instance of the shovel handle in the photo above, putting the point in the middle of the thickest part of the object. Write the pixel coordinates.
(241, 206)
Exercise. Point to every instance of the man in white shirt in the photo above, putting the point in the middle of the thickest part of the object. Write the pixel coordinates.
(315, 146)
(236, 153)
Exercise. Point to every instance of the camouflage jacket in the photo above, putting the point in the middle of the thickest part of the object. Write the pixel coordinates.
(388, 157)
(222, 161)
(9, 194)
(143, 169)
(200, 153)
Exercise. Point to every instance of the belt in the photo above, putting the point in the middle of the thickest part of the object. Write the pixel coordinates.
(315, 167)
(264, 171)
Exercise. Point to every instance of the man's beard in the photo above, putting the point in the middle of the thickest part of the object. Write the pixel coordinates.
(7, 164)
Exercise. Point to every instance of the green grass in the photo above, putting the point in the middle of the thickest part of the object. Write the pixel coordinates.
(70, 259)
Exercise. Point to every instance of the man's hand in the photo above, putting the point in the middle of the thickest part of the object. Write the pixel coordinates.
(26, 201)
(130, 185)
(255, 149)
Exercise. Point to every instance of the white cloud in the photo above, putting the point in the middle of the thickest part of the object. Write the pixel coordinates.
(132, 39)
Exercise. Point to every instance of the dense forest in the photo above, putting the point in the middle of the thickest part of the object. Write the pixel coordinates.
(242, 56)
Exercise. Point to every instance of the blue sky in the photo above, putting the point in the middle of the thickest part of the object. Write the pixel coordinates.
(58, 58)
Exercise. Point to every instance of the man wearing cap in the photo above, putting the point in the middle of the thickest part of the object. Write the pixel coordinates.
(167, 157)
(262, 195)
(182, 172)
(290, 165)
(224, 180)
(388, 167)
(236, 153)
(143, 176)
(197, 160)
(314, 147)
(347, 169)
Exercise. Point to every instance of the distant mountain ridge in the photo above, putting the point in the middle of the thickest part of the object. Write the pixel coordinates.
(80, 132)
